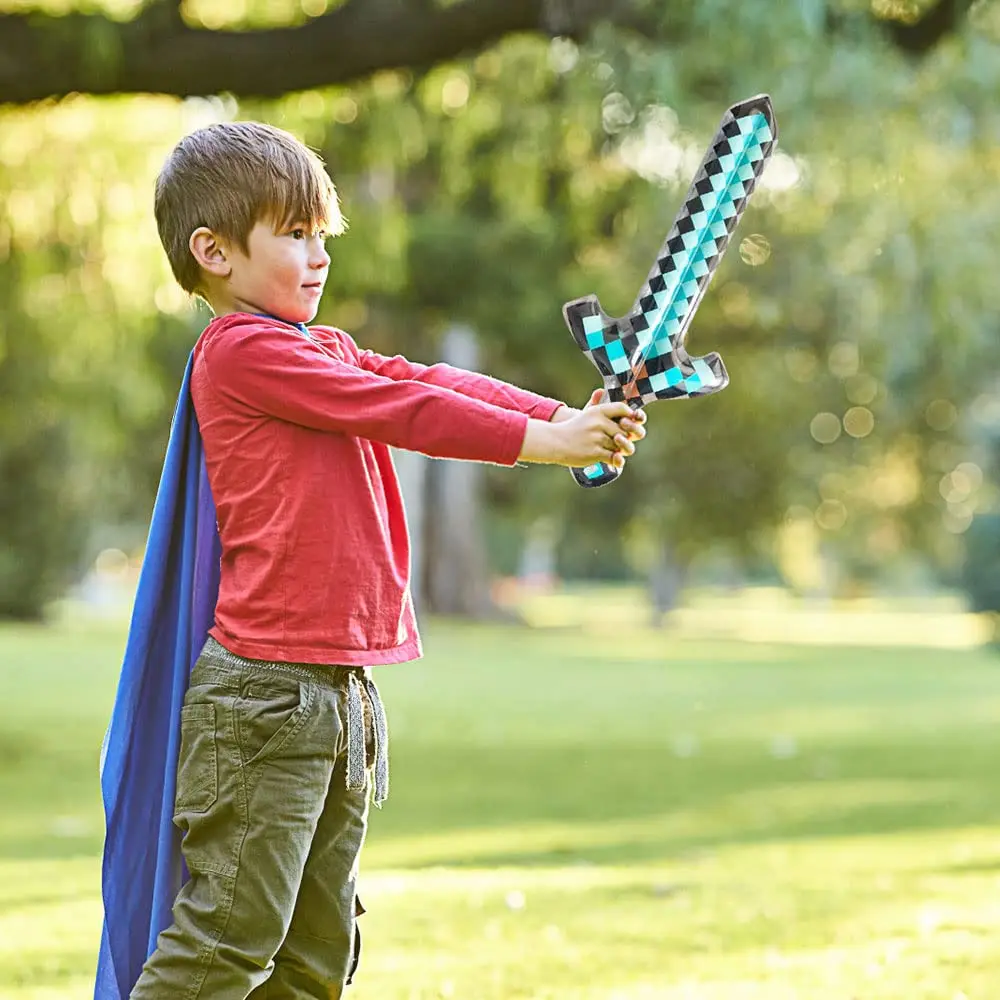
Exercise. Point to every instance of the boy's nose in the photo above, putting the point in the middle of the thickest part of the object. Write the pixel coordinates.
(318, 257)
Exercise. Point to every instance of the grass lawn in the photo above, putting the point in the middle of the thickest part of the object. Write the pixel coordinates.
(578, 817)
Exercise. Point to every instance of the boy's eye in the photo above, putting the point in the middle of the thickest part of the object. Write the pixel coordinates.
(301, 234)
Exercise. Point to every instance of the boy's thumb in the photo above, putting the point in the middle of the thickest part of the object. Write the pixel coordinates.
(596, 397)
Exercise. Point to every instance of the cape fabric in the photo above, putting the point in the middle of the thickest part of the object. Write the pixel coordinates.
(174, 608)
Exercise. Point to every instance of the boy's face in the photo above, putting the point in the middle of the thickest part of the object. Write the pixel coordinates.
(283, 273)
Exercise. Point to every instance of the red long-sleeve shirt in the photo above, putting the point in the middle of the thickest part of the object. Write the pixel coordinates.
(296, 431)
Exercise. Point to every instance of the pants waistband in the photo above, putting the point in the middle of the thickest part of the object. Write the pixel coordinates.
(329, 674)
(337, 677)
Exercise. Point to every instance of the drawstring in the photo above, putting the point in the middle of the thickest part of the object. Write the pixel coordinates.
(381, 744)
(356, 750)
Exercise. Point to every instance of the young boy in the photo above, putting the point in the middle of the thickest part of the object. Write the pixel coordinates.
(283, 737)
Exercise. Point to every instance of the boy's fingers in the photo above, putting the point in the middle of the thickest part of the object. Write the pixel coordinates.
(615, 411)
(625, 444)
(610, 427)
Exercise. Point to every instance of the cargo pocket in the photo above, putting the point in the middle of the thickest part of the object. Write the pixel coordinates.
(197, 762)
(356, 949)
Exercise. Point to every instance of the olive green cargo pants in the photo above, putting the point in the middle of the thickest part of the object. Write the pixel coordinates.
(272, 832)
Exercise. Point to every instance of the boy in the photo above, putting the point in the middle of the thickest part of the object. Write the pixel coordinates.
(283, 737)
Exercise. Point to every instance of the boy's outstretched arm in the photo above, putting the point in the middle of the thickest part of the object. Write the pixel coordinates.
(473, 384)
(263, 369)
(488, 389)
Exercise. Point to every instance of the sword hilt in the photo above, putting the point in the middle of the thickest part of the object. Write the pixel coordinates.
(601, 473)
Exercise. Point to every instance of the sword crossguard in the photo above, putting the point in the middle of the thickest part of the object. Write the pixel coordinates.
(697, 376)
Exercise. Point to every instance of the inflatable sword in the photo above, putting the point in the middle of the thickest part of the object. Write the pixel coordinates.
(641, 356)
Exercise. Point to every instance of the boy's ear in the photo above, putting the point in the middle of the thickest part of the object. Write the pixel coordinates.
(210, 252)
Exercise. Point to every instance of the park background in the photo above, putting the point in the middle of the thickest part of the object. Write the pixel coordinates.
(726, 729)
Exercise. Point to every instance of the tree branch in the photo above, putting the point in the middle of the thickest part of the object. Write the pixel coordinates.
(43, 56)
(919, 37)
(47, 56)
(912, 37)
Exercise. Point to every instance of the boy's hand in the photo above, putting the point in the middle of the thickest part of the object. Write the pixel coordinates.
(600, 432)
(632, 427)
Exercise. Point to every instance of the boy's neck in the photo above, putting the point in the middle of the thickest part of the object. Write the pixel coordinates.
(298, 326)
(302, 327)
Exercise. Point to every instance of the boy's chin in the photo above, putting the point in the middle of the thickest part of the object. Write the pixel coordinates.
(309, 312)
(298, 314)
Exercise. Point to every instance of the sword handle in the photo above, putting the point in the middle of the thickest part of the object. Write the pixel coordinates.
(601, 473)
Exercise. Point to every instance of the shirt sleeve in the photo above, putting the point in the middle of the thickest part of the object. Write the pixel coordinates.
(279, 374)
(472, 384)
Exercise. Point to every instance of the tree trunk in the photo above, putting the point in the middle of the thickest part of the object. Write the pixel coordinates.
(456, 575)
(538, 557)
(666, 581)
(412, 469)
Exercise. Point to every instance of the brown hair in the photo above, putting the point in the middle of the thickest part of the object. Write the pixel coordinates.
(232, 175)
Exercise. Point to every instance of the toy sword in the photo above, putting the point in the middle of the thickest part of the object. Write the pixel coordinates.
(641, 356)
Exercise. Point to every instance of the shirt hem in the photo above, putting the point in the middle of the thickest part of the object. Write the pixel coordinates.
(408, 651)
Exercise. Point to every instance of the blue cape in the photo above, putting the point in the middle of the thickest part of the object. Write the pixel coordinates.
(174, 608)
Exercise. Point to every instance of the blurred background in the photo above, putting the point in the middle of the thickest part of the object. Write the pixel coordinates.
(794, 582)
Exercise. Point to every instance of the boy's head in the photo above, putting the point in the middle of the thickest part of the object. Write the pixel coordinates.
(243, 210)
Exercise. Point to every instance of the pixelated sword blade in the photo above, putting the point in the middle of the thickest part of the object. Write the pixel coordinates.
(700, 234)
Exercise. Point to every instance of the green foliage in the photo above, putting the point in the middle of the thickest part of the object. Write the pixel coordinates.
(858, 325)
(42, 523)
(88, 368)
(556, 172)
(42, 517)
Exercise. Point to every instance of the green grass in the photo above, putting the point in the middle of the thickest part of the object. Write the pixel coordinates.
(577, 817)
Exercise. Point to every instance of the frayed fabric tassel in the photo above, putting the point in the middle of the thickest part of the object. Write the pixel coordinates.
(356, 755)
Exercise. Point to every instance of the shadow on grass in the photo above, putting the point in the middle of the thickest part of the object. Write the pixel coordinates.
(601, 804)
(521, 806)
(56, 973)
(970, 868)
(50, 798)
(32, 899)
(529, 805)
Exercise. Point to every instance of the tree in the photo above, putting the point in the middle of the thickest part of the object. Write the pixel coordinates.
(42, 518)
(857, 323)
(159, 51)
(89, 365)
